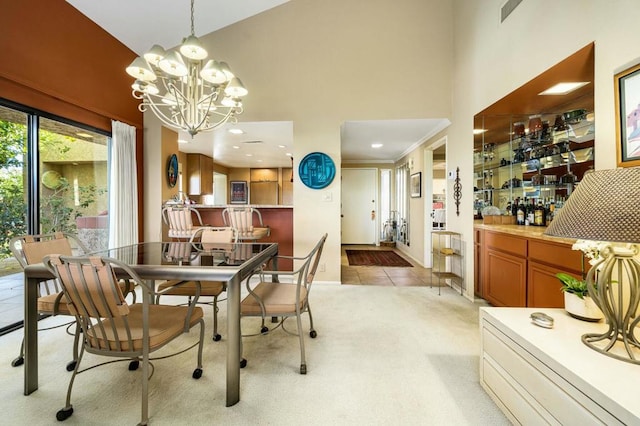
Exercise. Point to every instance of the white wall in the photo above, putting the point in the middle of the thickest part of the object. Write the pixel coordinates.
(493, 59)
(321, 63)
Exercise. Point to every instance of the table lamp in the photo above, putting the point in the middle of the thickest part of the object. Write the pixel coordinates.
(605, 206)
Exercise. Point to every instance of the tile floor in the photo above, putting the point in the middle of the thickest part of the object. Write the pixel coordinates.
(380, 275)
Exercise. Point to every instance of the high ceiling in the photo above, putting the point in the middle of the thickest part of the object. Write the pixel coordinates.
(139, 24)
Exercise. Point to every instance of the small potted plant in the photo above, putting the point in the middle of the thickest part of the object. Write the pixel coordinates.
(577, 301)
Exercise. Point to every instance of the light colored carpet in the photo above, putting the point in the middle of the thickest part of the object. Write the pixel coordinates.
(383, 355)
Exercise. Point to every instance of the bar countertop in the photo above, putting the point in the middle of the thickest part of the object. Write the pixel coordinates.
(534, 232)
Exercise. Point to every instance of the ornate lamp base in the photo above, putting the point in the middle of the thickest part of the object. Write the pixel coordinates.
(616, 291)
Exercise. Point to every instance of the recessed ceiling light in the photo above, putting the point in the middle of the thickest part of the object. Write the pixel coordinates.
(249, 155)
(376, 145)
(564, 88)
(479, 131)
(84, 135)
(236, 147)
(183, 141)
(236, 131)
(289, 154)
(282, 146)
(259, 161)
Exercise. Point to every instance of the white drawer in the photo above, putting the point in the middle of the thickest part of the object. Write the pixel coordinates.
(561, 401)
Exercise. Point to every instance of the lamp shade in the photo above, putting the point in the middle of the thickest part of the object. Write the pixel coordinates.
(192, 49)
(235, 88)
(155, 54)
(140, 70)
(173, 64)
(605, 206)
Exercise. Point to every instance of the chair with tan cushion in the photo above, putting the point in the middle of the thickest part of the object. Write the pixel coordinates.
(209, 238)
(287, 297)
(113, 328)
(241, 218)
(30, 249)
(179, 219)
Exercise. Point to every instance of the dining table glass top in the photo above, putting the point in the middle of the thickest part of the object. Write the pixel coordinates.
(185, 253)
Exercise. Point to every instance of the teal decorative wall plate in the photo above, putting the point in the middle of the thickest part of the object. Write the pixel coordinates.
(316, 170)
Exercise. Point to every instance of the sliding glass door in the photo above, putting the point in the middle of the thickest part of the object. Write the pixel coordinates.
(53, 177)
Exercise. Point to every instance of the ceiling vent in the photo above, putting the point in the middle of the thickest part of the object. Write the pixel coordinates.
(507, 8)
(253, 142)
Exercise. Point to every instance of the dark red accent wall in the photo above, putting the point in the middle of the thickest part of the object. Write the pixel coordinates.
(57, 60)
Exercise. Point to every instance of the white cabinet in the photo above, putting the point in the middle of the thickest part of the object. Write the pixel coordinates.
(548, 376)
(447, 259)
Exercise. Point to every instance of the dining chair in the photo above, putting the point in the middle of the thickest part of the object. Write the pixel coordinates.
(179, 219)
(30, 249)
(113, 328)
(241, 218)
(287, 297)
(209, 238)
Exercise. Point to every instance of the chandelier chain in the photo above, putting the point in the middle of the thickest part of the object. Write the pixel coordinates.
(193, 33)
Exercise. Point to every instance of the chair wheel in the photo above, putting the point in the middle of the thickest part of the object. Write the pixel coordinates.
(217, 337)
(17, 362)
(264, 329)
(72, 365)
(64, 414)
(197, 373)
(313, 334)
(243, 363)
(303, 368)
(133, 365)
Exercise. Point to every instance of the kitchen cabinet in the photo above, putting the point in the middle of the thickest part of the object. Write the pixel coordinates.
(263, 193)
(199, 174)
(519, 268)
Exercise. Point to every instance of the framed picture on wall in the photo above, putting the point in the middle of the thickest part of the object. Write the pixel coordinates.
(415, 185)
(627, 94)
(238, 193)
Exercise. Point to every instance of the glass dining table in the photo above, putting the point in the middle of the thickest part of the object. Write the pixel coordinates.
(153, 261)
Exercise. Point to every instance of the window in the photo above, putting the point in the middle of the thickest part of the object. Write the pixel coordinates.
(53, 177)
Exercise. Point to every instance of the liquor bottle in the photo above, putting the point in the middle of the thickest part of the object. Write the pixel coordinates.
(539, 214)
(551, 210)
(520, 215)
(514, 207)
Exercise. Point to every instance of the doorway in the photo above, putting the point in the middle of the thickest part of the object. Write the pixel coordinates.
(359, 206)
(435, 160)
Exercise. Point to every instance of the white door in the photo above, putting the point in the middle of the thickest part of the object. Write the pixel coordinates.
(359, 206)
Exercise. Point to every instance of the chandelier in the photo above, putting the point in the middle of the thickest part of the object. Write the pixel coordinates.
(183, 89)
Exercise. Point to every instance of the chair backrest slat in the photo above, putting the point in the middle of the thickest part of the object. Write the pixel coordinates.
(93, 295)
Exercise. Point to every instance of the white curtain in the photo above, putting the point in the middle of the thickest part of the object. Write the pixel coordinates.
(123, 186)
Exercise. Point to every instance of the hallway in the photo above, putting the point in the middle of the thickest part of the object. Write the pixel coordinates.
(380, 275)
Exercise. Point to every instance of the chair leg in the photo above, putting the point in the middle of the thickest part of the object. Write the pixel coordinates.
(20, 360)
(67, 411)
(312, 331)
(303, 362)
(216, 336)
(76, 341)
(197, 373)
